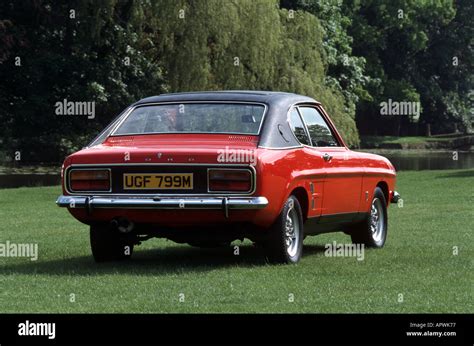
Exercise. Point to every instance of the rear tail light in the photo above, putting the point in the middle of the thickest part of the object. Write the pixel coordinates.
(230, 180)
(89, 180)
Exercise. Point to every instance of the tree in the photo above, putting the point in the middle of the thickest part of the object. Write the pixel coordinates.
(84, 51)
(409, 47)
(211, 45)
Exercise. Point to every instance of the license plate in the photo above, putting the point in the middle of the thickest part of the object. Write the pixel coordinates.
(158, 181)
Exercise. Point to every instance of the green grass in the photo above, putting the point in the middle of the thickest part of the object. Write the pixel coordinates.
(417, 262)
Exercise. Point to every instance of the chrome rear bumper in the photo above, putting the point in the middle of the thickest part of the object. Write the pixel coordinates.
(130, 202)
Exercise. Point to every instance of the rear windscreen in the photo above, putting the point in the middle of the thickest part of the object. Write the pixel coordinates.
(235, 118)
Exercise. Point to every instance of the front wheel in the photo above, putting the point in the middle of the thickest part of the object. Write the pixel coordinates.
(285, 239)
(372, 232)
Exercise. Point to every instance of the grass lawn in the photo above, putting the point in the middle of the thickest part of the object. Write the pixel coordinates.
(417, 263)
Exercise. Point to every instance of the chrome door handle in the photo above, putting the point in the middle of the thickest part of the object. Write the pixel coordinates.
(327, 157)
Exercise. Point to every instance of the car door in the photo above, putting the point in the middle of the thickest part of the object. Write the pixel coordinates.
(343, 182)
(312, 165)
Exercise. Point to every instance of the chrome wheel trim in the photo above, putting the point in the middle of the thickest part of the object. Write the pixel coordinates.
(292, 231)
(377, 220)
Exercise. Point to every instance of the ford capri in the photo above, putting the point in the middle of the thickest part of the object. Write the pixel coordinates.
(209, 168)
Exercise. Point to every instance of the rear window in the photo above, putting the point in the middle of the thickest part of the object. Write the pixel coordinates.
(237, 118)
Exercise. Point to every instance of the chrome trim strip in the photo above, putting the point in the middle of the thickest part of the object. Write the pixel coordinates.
(306, 129)
(161, 203)
(109, 126)
(281, 148)
(105, 193)
(157, 164)
(295, 106)
(112, 133)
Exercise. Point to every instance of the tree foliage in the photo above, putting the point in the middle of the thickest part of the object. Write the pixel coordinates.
(76, 52)
(410, 47)
(351, 55)
(249, 45)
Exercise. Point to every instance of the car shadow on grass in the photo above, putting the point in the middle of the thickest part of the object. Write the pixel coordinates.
(167, 260)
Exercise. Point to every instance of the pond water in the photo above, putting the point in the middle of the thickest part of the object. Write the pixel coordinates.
(403, 160)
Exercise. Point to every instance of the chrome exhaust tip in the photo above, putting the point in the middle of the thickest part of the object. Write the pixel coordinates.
(123, 225)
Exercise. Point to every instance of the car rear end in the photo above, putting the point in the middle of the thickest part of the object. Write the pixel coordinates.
(95, 192)
(170, 180)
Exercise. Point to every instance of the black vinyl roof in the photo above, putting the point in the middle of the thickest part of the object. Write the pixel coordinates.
(275, 132)
(230, 95)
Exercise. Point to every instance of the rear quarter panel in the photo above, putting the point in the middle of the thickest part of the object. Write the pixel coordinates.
(377, 171)
(281, 171)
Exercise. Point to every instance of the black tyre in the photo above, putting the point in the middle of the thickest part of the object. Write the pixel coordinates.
(285, 239)
(109, 245)
(372, 232)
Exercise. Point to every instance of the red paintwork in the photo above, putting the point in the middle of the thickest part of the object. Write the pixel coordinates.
(339, 185)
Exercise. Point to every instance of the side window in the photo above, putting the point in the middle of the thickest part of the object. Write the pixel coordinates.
(298, 128)
(318, 129)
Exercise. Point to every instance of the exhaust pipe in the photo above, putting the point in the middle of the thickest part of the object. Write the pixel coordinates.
(123, 225)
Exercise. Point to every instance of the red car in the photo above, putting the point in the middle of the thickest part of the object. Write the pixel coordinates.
(207, 168)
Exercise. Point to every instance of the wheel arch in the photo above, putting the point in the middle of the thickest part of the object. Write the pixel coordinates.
(386, 192)
(302, 196)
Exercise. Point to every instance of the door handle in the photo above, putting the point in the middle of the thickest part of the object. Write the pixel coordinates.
(327, 157)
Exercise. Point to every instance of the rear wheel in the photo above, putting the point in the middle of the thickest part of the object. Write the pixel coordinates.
(109, 245)
(372, 232)
(285, 239)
